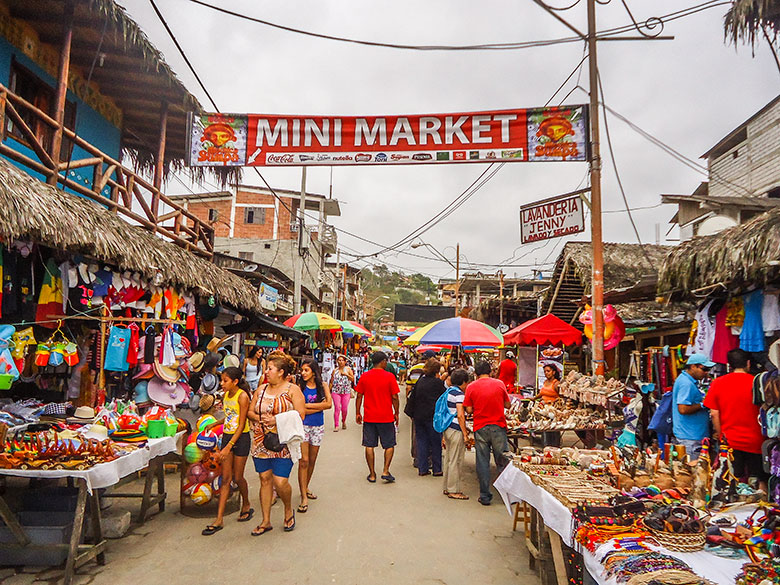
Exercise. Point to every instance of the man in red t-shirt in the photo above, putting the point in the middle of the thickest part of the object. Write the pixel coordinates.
(735, 417)
(377, 397)
(487, 398)
(507, 372)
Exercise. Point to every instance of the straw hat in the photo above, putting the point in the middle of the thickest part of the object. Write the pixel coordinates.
(144, 372)
(197, 360)
(83, 415)
(167, 373)
(98, 432)
(167, 393)
(215, 343)
(231, 361)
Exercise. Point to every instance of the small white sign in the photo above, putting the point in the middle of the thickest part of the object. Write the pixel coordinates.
(551, 218)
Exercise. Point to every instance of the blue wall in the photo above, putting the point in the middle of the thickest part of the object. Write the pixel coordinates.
(90, 125)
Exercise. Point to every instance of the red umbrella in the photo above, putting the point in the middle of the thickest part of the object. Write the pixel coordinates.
(546, 330)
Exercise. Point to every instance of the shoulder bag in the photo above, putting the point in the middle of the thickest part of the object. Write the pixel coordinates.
(270, 438)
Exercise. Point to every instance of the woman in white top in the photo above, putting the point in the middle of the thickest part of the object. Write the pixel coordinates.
(254, 366)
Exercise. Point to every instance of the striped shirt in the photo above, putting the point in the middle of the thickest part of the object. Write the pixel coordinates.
(455, 396)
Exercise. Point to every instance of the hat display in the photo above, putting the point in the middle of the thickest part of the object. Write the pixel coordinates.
(231, 361)
(212, 359)
(215, 343)
(144, 372)
(141, 392)
(83, 415)
(209, 384)
(167, 393)
(98, 432)
(197, 360)
(701, 360)
(167, 373)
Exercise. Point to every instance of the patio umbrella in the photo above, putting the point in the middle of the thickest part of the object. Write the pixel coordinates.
(546, 330)
(312, 321)
(434, 348)
(354, 328)
(456, 331)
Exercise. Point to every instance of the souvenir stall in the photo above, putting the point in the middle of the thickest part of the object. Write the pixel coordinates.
(98, 322)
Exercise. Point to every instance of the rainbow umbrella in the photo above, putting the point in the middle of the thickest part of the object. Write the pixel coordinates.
(434, 348)
(457, 331)
(354, 328)
(312, 321)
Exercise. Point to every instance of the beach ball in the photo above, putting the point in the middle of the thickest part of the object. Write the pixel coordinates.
(205, 421)
(210, 462)
(187, 488)
(192, 453)
(216, 483)
(201, 494)
(207, 440)
(197, 473)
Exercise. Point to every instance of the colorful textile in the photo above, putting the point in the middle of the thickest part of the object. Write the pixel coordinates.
(725, 340)
(752, 336)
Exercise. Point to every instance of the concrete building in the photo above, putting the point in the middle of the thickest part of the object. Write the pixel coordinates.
(743, 182)
(475, 288)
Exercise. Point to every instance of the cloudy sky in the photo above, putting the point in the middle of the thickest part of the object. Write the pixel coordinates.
(689, 92)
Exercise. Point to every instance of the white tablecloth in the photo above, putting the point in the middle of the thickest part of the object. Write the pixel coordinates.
(515, 486)
(108, 474)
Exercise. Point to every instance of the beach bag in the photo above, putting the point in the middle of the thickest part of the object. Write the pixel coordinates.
(116, 349)
(442, 417)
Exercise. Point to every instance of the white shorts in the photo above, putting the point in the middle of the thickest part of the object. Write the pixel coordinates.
(313, 434)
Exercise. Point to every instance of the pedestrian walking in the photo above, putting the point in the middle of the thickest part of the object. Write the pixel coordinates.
(427, 391)
(254, 366)
(507, 372)
(235, 445)
(456, 437)
(274, 397)
(377, 398)
(486, 398)
(341, 383)
(318, 399)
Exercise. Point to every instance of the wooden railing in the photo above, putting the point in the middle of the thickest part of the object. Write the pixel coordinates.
(127, 188)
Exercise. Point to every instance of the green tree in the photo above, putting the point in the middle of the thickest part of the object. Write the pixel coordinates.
(749, 21)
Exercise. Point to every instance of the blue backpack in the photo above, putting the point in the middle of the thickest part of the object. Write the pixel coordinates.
(662, 418)
(442, 417)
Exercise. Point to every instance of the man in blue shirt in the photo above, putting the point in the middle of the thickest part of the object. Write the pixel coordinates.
(690, 420)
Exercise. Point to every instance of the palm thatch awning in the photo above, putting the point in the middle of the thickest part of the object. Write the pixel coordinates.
(39, 212)
(738, 258)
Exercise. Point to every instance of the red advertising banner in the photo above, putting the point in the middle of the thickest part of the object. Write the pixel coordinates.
(527, 135)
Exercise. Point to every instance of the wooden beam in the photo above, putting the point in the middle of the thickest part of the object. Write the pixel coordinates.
(159, 166)
(83, 162)
(558, 286)
(32, 139)
(62, 87)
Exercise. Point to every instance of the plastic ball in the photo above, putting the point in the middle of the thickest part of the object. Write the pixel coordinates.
(197, 473)
(187, 488)
(207, 440)
(201, 494)
(205, 421)
(210, 462)
(216, 483)
(193, 453)
(191, 438)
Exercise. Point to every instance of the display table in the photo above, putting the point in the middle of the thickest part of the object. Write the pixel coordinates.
(515, 486)
(103, 475)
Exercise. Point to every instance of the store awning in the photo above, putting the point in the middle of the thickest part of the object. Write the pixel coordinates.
(546, 330)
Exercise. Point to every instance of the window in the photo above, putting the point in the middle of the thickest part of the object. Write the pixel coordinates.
(246, 255)
(774, 193)
(213, 214)
(31, 88)
(255, 215)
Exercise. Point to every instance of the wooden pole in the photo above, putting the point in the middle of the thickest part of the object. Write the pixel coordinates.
(595, 200)
(62, 88)
(344, 304)
(159, 167)
(457, 280)
(501, 297)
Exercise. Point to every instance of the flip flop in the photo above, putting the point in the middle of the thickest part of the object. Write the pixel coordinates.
(440, 474)
(303, 508)
(211, 529)
(458, 496)
(388, 478)
(368, 477)
(246, 516)
(260, 530)
(291, 527)
(311, 496)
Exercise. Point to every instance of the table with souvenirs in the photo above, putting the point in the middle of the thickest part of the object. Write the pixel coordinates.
(629, 516)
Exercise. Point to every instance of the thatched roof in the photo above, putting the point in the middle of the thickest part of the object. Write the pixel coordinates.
(740, 257)
(37, 211)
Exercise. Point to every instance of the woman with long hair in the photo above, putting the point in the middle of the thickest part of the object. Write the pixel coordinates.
(254, 366)
(341, 382)
(234, 447)
(272, 398)
(318, 399)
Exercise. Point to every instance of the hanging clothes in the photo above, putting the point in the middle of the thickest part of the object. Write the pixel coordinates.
(770, 313)
(725, 340)
(50, 298)
(132, 351)
(735, 312)
(705, 334)
(752, 336)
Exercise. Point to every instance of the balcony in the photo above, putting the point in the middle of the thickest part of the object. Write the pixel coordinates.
(329, 239)
(106, 181)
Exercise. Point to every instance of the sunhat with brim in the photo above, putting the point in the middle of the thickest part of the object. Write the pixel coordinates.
(209, 384)
(167, 393)
(83, 415)
(701, 360)
(167, 373)
(197, 361)
(98, 432)
(141, 392)
(231, 361)
(144, 372)
(215, 343)
(212, 359)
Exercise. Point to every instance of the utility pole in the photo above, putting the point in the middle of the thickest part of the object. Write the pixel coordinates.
(597, 288)
(344, 303)
(457, 280)
(299, 258)
(501, 297)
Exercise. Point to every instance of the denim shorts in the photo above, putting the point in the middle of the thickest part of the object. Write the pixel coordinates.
(280, 466)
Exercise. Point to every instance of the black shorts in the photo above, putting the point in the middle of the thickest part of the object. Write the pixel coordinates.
(374, 432)
(748, 465)
(241, 446)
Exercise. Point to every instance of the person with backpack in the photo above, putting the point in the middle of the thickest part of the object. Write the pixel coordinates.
(426, 392)
(449, 418)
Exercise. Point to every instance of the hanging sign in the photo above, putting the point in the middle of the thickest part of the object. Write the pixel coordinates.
(552, 218)
(269, 297)
(524, 135)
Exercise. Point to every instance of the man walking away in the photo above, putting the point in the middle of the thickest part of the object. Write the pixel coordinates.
(378, 388)
(690, 418)
(507, 372)
(735, 417)
(487, 398)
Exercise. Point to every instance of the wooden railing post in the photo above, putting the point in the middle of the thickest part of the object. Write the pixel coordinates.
(159, 167)
(62, 89)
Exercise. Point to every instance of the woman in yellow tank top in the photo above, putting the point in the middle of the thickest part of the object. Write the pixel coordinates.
(236, 442)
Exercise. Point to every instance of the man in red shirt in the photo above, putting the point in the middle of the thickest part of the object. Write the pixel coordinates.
(487, 398)
(377, 398)
(507, 372)
(735, 417)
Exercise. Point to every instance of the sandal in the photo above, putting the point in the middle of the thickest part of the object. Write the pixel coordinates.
(291, 527)
(303, 508)
(211, 529)
(260, 530)
(368, 477)
(311, 496)
(246, 516)
(457, 496)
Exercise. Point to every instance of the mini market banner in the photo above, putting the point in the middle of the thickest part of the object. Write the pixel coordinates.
(524, 135)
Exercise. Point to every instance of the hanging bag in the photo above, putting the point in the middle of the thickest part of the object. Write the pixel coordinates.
(270, 438)
(116, 349)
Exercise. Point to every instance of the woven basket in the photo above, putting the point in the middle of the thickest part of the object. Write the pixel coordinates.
(678, 542)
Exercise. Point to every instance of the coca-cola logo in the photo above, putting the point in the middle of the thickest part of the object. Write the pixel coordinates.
(362, 157)
(280, 158)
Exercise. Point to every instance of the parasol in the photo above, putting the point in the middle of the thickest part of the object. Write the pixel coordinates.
(354, 328)
(546, 330)
(312, 321)
(456, 331)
